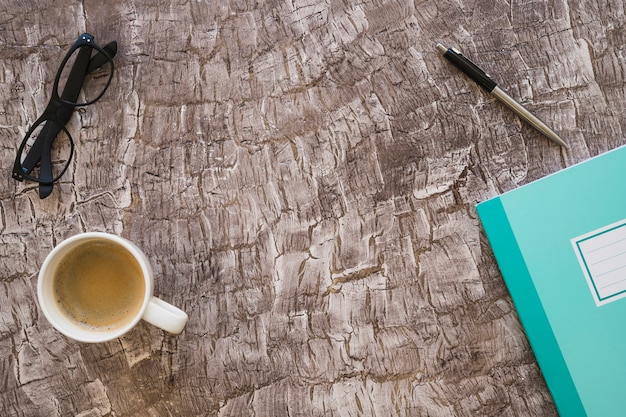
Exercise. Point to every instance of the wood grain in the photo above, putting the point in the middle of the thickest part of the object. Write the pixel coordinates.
(303, 176)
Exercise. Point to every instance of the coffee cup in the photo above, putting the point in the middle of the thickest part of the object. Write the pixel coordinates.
(95, 287)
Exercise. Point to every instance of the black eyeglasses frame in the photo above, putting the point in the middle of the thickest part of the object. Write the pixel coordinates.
(59, 111)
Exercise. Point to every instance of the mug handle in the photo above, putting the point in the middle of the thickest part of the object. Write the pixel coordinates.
(165, 316)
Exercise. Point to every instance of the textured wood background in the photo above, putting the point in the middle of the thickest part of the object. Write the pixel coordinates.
(303, 176)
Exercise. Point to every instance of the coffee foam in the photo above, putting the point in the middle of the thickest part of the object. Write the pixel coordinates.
(99, 286)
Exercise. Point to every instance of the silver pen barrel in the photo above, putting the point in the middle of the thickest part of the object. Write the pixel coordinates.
(528, 116)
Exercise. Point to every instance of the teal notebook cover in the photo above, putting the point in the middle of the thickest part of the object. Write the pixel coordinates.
(560, 243)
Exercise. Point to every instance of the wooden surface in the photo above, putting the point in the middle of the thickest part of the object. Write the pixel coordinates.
(303, 176)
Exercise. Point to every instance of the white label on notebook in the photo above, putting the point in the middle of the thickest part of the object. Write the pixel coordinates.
(602, 257)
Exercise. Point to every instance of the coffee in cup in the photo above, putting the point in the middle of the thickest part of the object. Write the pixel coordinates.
(96, 286)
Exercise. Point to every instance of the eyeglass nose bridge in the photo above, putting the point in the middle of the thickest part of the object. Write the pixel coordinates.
(56, 110)
(60, 112)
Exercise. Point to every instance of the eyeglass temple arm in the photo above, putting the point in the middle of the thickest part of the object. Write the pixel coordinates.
(99, 59)
(64, 112)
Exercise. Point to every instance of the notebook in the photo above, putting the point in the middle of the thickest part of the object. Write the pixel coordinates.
(560, 243)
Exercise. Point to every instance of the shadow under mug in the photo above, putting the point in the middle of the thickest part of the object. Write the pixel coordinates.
(153, 310)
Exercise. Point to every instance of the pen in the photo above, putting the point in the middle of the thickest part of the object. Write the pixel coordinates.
(485, 81)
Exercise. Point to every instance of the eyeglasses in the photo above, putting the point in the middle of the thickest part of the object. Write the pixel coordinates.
(46, 151)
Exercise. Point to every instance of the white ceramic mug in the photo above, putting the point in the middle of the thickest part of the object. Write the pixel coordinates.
(152, 309)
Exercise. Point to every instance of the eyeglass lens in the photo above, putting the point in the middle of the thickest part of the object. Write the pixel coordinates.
(75, 69)
(60, 150)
